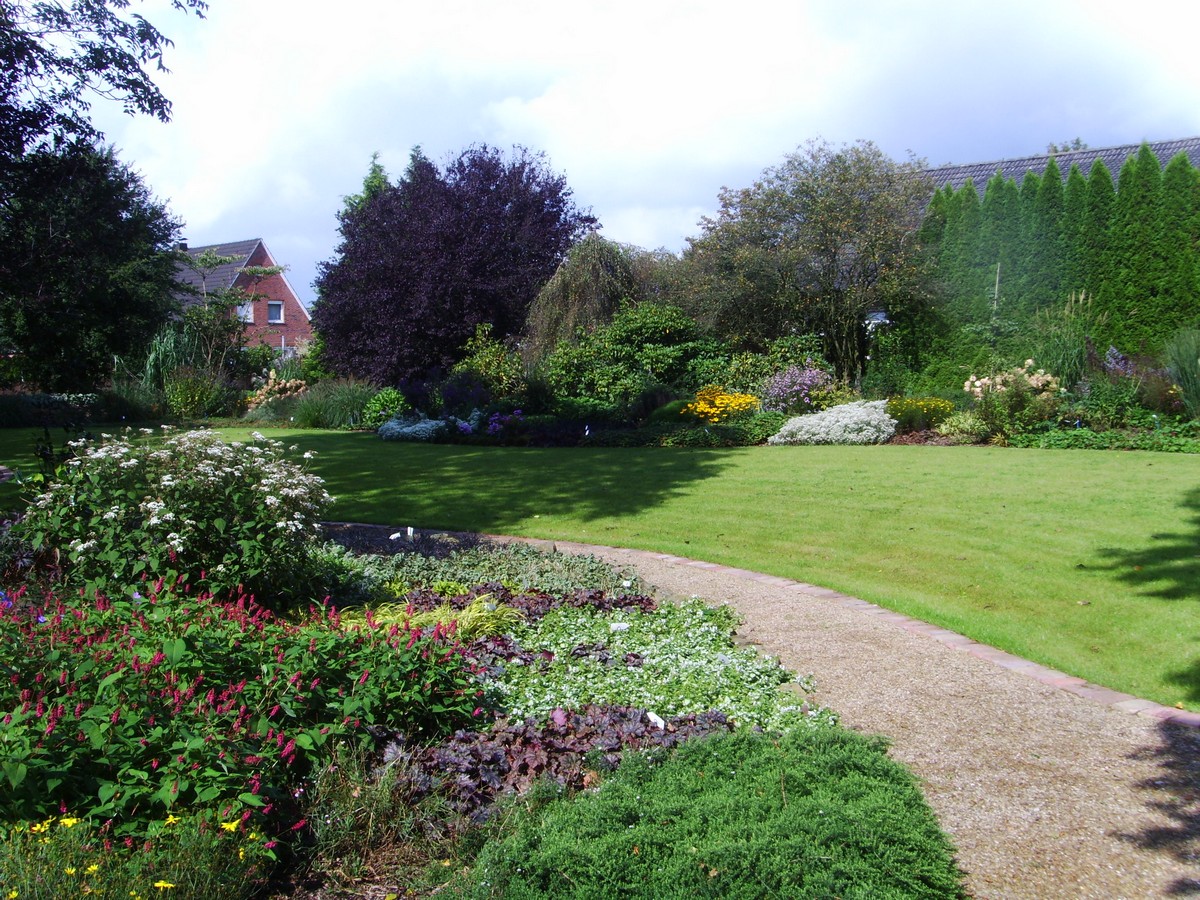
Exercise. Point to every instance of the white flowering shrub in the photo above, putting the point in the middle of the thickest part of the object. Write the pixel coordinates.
(421, 428)
(184, 506)
(861, 422)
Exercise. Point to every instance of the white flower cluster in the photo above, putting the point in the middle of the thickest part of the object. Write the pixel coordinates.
(860, 422)
(422, 428)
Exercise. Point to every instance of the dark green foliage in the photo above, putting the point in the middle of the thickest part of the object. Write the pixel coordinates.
(815, 813)
(54, 55)
(1183, 361)
(86, 265)
(1131, 252)
(645, 346)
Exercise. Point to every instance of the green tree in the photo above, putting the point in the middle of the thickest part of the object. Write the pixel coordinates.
(1044, 279)
(1074, 223)
(1094, 258)
(1132, 298)
(583, 294)
(374, 183)
(87, 267)
(55, 55)
(820, 241)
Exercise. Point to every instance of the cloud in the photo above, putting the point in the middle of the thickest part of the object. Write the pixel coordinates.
(649, 107)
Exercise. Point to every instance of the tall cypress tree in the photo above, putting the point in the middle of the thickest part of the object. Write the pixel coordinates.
(1095, 261)
(1074, 221)
(1132, 296)
(1180, 233)
(1046, 241)
(962, 248)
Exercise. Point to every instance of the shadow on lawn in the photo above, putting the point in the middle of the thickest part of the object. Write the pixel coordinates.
(494, 488)
(1170, 566)
(1175, 793)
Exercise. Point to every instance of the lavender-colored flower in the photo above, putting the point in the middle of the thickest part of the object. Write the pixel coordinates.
(1117, 363)
(791, 390)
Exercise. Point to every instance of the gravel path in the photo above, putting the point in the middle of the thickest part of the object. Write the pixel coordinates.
(1045, 792)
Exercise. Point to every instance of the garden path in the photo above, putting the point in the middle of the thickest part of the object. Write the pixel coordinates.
(1049, 787)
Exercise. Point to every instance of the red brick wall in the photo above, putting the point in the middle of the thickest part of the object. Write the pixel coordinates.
(296, 329)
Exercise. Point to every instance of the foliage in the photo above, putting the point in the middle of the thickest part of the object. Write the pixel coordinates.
(813, 813)
(644, 346)
(964, 427)
(860, 422)
(226, 517)
(797, 389)
(86, 265)
(815, 245)
(918, 413)
(1015, 400)
(37, 408)
(498, 368)
(745, 431)
(1183, 361)
(1109, 402)
(584, 294)
(66, 856)
(1167, 440)
(1130, 251)
(334, 403)
(568, 749)
(715, 405)
(386, 404)
(424, 261)
(133, 706)
(54, 54)
(676, 660)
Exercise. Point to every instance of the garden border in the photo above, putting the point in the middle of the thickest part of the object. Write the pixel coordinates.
(1044, 674)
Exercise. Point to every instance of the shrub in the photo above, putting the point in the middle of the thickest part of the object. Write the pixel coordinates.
(1112, 402)
(796, 390)
(965, 427)
(713, 404)
(498, 367)
(1015, 401)
(225, 516)
(336, 403)
(139, 704)
(810, 814)
(386, 404)
(1182, 354)
(918, 413)
(860, 422)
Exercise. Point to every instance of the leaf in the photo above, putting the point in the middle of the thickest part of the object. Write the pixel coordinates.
(174, 650)
(251, 799)
(16, 773)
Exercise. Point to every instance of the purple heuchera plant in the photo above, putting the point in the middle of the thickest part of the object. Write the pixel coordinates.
(791, 390)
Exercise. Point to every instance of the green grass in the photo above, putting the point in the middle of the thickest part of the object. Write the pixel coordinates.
(1085, 561)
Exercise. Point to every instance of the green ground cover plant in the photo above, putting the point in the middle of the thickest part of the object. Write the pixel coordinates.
(814, 813)
(1079, 560)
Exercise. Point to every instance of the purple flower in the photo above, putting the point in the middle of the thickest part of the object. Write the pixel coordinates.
(792, 389)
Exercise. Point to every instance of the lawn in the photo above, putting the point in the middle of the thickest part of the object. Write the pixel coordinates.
(1085, 561)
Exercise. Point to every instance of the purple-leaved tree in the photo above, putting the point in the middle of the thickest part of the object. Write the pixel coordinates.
(424, 261)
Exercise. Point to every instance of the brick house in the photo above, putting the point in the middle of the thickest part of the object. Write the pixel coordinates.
(275, 316)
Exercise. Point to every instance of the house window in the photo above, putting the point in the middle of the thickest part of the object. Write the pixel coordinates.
(275, 312)
(246, 312)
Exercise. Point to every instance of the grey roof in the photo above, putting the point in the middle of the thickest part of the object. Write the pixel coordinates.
(222, 276)
(1114, 158)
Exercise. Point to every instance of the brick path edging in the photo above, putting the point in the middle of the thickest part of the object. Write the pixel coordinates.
(1052, 677)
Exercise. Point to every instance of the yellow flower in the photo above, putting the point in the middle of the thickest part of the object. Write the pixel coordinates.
(163, 885)
(230, 826)
(70, 870)
(172, 819)
(69, 821)
(92, 869)
(12, 895)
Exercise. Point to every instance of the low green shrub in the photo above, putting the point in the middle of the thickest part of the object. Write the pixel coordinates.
(386, 404)
(918, 413)
(334, 403)
(226, 517)
(964, 427)
(1164, 441)
(193, 394)
(813, 814)
(1182, 354)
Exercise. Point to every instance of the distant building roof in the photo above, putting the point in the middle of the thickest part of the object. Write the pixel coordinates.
(223, 276)
(1114, 158)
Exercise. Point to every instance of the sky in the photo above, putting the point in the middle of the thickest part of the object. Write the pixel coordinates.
(648, 108)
